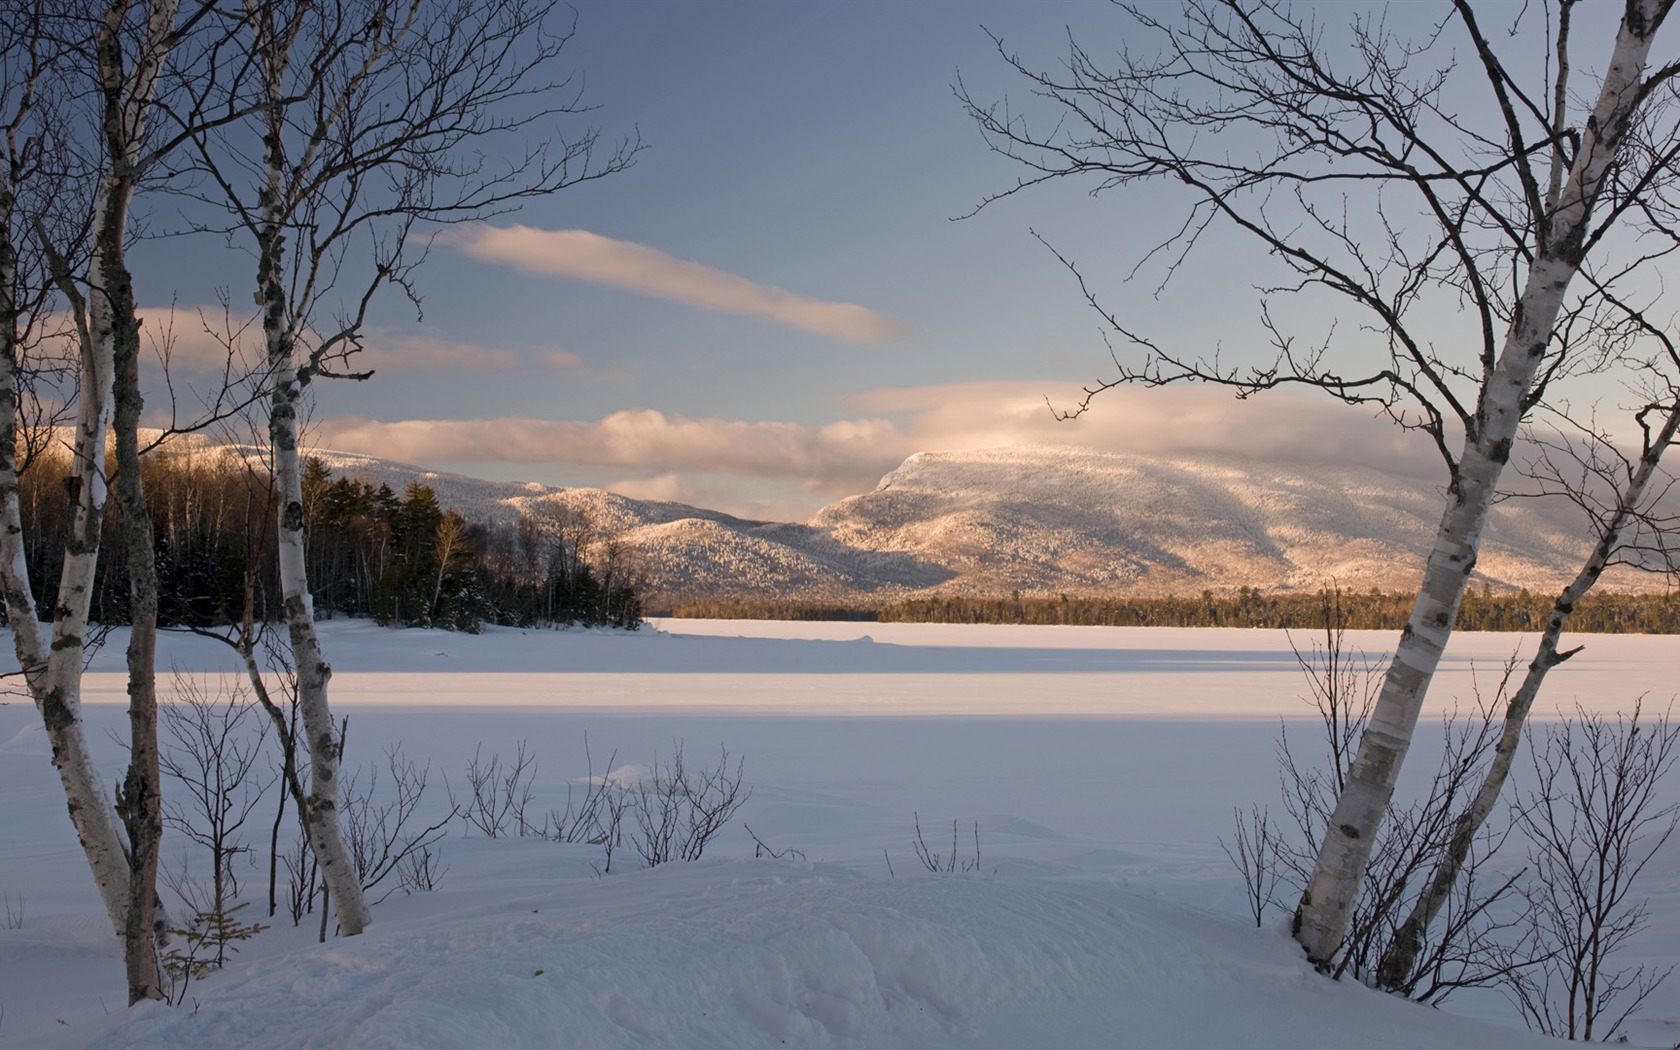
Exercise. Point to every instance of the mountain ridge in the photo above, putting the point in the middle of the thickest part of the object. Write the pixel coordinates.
(1047, 520)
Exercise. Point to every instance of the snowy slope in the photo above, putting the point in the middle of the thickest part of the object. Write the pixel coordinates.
(1047, 520)
(766, 954)
(683, 552)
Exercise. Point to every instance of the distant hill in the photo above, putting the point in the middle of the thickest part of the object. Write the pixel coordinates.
(1045, 520)
(685, 553)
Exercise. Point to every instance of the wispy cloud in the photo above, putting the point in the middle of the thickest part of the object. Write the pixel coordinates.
(199, 339)
(718, 493)
(835, 458)
(584, 256)
(684, 458)
(1170, 421)
(390, 351)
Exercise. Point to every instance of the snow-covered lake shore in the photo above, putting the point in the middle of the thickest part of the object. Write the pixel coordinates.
(1100, 765)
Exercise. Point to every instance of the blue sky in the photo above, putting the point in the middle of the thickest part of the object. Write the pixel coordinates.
(774, 305)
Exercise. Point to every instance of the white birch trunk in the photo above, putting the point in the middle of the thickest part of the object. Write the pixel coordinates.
(325, 837)
(1401, 959)
(58, 694)
(1322, 919)
(139, 801)
(14, 569)
(54, 675)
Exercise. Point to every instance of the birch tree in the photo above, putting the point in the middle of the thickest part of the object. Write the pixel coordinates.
(53, 672)
(1629, 529)
(119, 50)
(51, 667)
(371, 120)
(128, 87)
(1395, 178)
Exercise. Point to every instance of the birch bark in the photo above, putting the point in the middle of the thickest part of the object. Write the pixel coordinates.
(56, 686)
(1321, 920)
(1400, 960)
(139, 802)
(54, 672)
(129, 92)
(279, 332)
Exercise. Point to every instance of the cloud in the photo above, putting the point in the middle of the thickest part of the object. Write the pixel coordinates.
(713, 492)
(198, 339)
(1169, 421)
(390, 351)
(585, 256)
(850, 455)
(833, 459)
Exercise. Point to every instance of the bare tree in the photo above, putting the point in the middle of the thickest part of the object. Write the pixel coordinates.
(1627, 526)
(370, 119)
(31, 70)
(119, 50)
(1594, 821)
(213, 754)
(83, 96)
(1360, 163)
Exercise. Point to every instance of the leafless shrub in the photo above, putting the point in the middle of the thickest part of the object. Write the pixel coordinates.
(760, 850)
(499, 797)
(945, 863)
(11, 914)
(587, 820)
(213, 752)
(1254, 851)
(664, 812)
(419, 870)
(676, 811)
(386, 838)
(1593, 821)
(1342, 686)
(1411, 840)
(303, 877)
(1477, 941)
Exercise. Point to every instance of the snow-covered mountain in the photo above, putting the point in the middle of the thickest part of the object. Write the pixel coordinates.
(1061, 519)
(683, 552)
(1046, 520)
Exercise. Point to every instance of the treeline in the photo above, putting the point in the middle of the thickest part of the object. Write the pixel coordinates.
(399, 559)
(743, 609)
(1602, 613)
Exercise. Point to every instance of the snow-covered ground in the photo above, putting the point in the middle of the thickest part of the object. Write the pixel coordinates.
(1100, 765)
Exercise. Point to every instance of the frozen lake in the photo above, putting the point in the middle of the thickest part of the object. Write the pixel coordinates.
(1100, 761)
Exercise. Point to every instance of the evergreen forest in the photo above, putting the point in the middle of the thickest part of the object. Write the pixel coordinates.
(1604, 612)
(400, 559)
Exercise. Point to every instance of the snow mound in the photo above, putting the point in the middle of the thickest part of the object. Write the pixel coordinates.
(765, 955)
(654, 780)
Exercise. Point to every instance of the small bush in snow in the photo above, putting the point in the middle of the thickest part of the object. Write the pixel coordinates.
(662, 812)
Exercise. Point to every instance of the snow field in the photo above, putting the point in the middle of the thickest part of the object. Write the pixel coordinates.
(1101, 766)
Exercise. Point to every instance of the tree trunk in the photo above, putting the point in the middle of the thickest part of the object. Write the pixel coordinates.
(58, 694)
(54, 675)
(298, 608)
(54, 682)
(1321, 920)
(139, 802)
(1401, 958)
